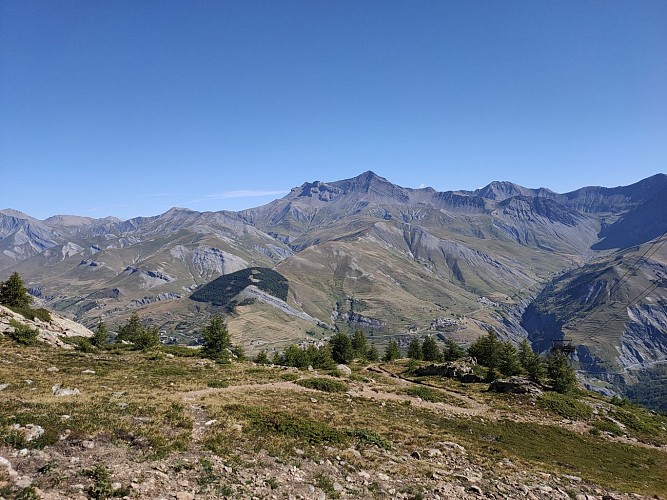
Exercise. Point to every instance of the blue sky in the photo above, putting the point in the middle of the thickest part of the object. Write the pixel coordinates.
(128, 108)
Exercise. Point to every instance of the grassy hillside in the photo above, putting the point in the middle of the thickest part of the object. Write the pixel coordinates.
(149, 424)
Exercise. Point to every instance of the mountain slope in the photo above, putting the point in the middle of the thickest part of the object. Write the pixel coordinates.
(365, 253)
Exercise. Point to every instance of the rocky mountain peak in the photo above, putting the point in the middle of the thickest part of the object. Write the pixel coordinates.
(501, 190)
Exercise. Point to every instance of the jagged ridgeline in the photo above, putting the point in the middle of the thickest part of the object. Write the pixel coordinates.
(222, 290)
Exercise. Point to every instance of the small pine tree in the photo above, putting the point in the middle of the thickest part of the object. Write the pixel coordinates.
(415, 349)
(262, 357)
(452, 351)
(341, 348)
(131, 330)
(486, 350)
(216, 340)
(430, 349)
(13, 292)
(294, 356)
(531, 362)
(147, 338)
(100, 336)
(508, 361)
(359, 344)
(323, 359)
(392, 352)
(239, 352)
(561, 374)
(372, 353)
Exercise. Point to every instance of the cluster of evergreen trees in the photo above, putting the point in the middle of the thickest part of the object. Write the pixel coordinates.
(501, 358)
(341, 349)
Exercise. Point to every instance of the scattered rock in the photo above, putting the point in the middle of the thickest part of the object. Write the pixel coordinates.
(185, 495)
(3, 386)
(344, 370)
(88, 372)
(416, 455)
(63, 391)
(52, 369)
(433, 453)
(210, 423)
(88, 444)
(237, 428)
(30, 431)
(313, 400)
(475, 489)
(450, 446)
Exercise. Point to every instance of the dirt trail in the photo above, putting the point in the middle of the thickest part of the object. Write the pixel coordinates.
(375, 394)
(472, 403)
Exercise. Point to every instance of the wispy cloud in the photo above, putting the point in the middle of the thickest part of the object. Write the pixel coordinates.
(241, 193)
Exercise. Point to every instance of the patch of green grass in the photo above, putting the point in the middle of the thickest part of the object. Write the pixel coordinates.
(618, 465)
(606, 425)
(181, 351)
(217, 384)
(289, 377)
(370, 437)
(565, 405)
(425, 393)
(263, 420)
(323, 384)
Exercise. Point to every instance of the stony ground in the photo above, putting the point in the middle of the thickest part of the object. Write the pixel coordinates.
(155, 425)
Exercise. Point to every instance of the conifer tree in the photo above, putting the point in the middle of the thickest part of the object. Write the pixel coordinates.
(452, 351)
(392, 352)
(13, 292)
(372, 353)
(508, 361)
(561, 374)
(359, 344)
(262, 357)
(217, 340)
(430, 349)
(131, 330)
(531, 362)
(100, 336)
(341, 348)
(415, 349)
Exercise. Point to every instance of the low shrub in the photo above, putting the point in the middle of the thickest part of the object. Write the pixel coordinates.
(567, 406)
(607, 426)
(425, 393)
(22, 333)
(30, 313)
(323, 384)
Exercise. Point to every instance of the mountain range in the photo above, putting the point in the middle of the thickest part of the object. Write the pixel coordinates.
(588, 265)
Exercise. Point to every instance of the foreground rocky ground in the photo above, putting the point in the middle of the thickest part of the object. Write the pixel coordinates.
(162, 425)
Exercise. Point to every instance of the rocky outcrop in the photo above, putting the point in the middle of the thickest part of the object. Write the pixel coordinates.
(51, 332)
(516, 385)
(462, 369)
